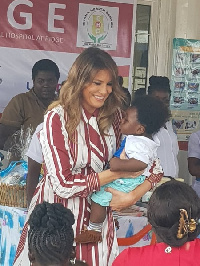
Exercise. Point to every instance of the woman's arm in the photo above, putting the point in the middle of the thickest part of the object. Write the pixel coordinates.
(121, 200)
(59, 161)
(108, 176)
(60, 156)
(32, 180)
(35, 160)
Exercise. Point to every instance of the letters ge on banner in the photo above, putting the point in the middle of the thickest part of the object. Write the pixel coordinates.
(28, 16)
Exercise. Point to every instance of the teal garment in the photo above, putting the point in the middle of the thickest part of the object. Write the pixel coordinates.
(126, 185)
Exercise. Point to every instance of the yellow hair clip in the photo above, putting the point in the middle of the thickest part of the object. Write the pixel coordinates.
(186, 225)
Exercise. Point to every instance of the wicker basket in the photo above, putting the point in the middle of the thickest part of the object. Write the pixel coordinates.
(13, 195)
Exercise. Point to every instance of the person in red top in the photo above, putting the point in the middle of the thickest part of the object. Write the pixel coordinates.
(173, 212)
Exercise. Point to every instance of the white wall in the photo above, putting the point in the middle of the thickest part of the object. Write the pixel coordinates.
(187, 19)
(170, 19)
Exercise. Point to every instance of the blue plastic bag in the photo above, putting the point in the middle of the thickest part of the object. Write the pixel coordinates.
(15, 173)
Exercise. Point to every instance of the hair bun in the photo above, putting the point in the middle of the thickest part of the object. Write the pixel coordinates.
(51, 216)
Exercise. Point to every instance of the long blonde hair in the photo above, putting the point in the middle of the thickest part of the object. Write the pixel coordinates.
(81, 74)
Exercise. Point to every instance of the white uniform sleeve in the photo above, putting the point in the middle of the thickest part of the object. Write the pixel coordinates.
(194, 145)
(35, 151)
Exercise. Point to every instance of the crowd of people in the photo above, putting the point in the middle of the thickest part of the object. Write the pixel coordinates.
(99, 152)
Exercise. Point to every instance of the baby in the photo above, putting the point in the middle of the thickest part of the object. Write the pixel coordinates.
(137, 152)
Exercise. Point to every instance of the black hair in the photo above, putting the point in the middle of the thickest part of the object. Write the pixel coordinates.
(45, 65)
(139, 92)
(151, 113)
(164, 211)
(120, 80)
(50, 237)
(159, 83)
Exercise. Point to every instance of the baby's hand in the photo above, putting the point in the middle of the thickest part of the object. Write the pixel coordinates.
(114, 164)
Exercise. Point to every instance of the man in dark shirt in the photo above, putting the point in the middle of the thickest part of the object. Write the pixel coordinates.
(26, 110)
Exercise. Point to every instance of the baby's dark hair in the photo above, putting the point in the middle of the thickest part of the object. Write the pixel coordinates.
(50, 237)
(151, 113)
(45, 65)
(159, 83)
(164, 211)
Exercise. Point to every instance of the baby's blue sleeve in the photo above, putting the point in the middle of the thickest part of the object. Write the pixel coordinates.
(119, 151)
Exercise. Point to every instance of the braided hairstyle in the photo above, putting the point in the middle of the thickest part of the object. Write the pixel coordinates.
(159, 83)
(50, 237)
(164, 211)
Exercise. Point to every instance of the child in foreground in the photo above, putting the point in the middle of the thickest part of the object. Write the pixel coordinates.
(137, 153)
(50, 237)
(174, 213)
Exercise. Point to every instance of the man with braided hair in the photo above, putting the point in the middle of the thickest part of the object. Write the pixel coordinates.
(174, 213)
(50, 237)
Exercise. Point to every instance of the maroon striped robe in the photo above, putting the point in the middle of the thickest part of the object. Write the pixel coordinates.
(71, 174)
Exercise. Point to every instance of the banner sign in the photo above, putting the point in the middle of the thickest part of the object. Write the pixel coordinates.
(59, 30)
(185, 82)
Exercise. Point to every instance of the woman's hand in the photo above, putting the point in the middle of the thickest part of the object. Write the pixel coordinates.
(121, 200)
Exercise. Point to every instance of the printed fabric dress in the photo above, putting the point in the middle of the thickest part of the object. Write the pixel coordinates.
(71, 169)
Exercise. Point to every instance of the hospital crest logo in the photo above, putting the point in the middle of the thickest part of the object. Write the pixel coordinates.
(98, 30)
(97, 26)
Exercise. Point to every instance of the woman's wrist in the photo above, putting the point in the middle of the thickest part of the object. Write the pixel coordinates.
(154, 179)
(140, 191)
(107, 176)
(131, 198)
